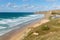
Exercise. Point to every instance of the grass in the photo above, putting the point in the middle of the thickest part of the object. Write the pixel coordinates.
(47, 31)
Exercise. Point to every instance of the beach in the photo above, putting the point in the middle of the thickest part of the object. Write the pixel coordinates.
(19, 33)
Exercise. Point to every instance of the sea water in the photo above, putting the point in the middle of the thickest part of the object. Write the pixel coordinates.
(11, 20)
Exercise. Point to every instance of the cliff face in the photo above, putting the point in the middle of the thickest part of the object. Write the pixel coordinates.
(56, 11)
(48, 13)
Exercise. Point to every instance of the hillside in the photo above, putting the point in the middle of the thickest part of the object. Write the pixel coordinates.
(47, 12)
(47, 31)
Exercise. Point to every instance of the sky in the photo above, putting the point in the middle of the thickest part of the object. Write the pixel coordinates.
(28, 5)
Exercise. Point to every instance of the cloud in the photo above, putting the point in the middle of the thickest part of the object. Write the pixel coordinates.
(25, 0)
(56, 6)
(34, 7)
(23, 7)
(53, 7)
(27, 7)
(51, 0)
(8, 4)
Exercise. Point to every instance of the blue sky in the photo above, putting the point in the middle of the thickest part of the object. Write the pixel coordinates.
(28, 5)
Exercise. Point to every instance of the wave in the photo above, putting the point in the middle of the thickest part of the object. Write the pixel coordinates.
(19, 20)
(8, 24)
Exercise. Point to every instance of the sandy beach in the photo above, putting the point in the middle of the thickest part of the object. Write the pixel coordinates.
(19, 33)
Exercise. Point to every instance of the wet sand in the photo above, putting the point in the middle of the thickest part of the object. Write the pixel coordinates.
(18, 34)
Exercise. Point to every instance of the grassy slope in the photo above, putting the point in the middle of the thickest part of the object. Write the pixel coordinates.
(48, 31)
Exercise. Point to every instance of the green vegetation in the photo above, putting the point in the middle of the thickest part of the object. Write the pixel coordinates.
(53, 13)
(47, 31)
(45, 27)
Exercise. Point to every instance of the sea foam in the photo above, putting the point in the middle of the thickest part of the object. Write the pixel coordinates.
(8, 24)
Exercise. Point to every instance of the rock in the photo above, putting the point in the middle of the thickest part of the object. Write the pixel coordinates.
(35, 33)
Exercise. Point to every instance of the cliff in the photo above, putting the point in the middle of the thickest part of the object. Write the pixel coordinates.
(47, 14)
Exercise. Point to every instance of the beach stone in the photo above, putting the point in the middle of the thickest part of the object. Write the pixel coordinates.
(35, 33)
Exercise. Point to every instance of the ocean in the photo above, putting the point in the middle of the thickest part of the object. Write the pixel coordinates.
(10, 20)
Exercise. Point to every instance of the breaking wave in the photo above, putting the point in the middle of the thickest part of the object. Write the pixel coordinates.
(6, 24)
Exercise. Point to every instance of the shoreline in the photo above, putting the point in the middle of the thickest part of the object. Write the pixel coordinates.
(20, 32)
(33, 18)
